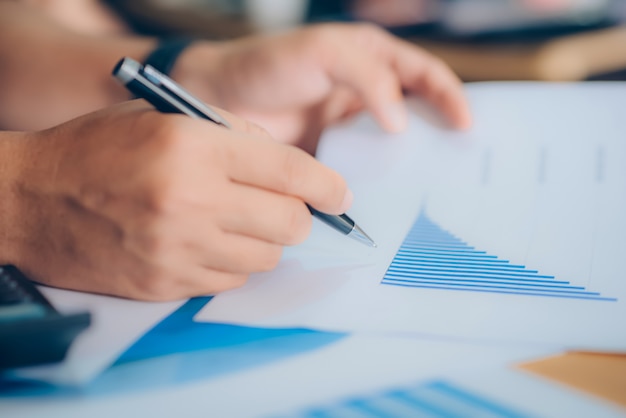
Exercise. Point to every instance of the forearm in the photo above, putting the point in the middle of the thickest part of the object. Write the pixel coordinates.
(49, 74)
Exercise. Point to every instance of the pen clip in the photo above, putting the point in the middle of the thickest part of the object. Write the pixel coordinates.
(193, 103)
(162, 92)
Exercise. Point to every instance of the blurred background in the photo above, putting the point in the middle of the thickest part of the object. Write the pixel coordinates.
(559, 40)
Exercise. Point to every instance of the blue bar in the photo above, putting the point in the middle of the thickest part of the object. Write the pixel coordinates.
(436, 244)
(459, 282)
(523, 293)
(437, 236)
(433, 236)
(361, 405)
(442, 249)
(428, 253)
(414, 257)
(467, 274)
(506, 279)
(459, 266)
(430, 226)
(431, 261)
(421, 404)
(482, 403)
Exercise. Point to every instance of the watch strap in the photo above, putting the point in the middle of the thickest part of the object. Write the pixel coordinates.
(164, 56)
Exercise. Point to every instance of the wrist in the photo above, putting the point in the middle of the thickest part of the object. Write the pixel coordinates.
(197, 68)
(13, 156)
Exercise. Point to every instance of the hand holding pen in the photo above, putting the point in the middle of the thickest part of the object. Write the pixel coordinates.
(140, 204)
(168, 97)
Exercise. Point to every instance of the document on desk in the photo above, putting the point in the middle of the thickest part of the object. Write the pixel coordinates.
(514, 231)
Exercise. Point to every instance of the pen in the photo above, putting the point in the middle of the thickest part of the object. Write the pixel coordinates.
(168, 97)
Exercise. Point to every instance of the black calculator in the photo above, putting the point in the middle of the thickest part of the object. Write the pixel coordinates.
(32, 331)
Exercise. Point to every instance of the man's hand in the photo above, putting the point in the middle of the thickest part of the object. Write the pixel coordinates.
(296, 84)
(134, 203)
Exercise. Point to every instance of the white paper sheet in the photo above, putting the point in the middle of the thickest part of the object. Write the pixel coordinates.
(539, 182)
(116, 324)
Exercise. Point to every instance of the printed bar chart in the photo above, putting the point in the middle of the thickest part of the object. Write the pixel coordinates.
(437, 398)
(431, 257)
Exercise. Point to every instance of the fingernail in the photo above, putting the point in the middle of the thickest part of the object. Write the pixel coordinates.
(396, 117)
(347, 201)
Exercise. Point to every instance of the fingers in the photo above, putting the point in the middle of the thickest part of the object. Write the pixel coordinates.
(269, 165)
(241, 254)
(370, 77)
(266, 215)
(288, 171)
(203, 281)
(424, 75)
(379, 66)
(191, 281)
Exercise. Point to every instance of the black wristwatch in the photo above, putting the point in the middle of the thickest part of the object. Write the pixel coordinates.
(164, 56)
